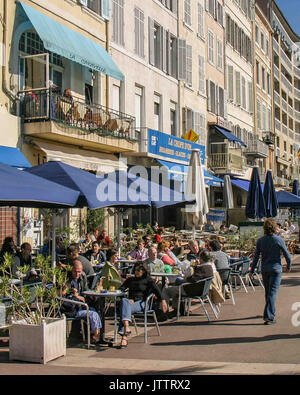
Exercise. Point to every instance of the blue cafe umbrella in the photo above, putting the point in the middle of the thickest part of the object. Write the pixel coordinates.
(270, 196)
(255, 206)
(22, 189)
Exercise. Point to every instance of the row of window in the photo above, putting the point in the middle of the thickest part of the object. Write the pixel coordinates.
(240, 91)
(262, 41)
(238, 39)
(263, 78)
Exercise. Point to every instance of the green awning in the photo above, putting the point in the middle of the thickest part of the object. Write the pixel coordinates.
(66, 42)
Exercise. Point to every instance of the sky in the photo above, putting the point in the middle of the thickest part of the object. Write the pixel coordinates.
(291, 11)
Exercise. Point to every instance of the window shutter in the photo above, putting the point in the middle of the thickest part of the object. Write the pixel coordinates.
(212, 93)
(258, 116)
(151, 41)
(217, 100)
(238, 87)
(208, 95)
(105, 9)
(243, 92)
(201, 66)
(221, 102)
(174, 6)
(225, 104)
(181, 59)
(250, 94)
(189, 65)
(230, 83)
(200, 19)
(164, 35)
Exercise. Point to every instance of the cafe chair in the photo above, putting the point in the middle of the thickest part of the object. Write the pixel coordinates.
(149, 310)
(225, 277)
(240, 270)
(198, 290)
(257, 273)
(82, 320)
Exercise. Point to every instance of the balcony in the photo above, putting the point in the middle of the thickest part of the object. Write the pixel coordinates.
(286, 83)
(257, 148)
(269, 138)
(284, 58)
(297, 115)
(297, 93)
(276, 46)
(277, 98)
(284, 129)
(284, 105)
(277, 125)
(51, 116)
(276, 72)
(290, 110)
(225, 162)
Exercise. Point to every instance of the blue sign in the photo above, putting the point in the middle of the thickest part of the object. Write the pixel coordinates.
(170, 147)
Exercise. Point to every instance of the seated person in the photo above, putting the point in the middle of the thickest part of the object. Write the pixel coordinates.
(195, 250)
(140, 287)
(95, 255)
(209, 227)
(204, 269)
(291, 227)
(155, 226)
(77, 284)
(72, 255)
(9, 247)
(220, 258)
(165, 254)
(147, 241)
(157, 237)
(25, 259)
(140, 253)
(110, 273)
(155, 265)
(104, 239)
(177, 248)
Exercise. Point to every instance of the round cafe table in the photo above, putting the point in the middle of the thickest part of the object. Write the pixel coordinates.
(108, 294)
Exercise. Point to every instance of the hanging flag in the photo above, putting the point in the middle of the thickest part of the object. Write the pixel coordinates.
(191, 136)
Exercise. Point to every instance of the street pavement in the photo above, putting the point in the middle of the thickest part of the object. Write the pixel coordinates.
(236, 343)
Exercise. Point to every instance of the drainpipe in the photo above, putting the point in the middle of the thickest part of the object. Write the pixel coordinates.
(5, 88)
(107, 49)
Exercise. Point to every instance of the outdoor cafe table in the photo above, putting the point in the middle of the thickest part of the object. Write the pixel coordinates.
(108, 294)
(164, 275)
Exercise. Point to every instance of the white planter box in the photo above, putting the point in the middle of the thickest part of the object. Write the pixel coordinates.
(38, 343)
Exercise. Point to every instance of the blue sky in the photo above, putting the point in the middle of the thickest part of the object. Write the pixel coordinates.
(291, 10)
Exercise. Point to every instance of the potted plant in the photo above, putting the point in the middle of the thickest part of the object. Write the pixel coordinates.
(37, 331)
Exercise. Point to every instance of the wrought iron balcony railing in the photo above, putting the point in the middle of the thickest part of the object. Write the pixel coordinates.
(48, 105)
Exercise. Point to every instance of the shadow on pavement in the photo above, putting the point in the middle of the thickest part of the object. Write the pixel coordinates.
(228, 340)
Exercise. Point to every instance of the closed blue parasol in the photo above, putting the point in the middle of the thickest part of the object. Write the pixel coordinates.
(270, 196)
(22, 189)
(255, 206)
(296, 187)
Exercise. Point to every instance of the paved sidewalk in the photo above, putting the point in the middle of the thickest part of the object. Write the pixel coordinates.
(236, 343)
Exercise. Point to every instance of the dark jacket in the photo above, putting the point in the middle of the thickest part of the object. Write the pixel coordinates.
(141, 288)
(81, 284)
(202, 271)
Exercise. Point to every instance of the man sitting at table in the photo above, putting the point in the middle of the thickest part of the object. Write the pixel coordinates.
(77, 284)
(220, 258)
(195, 250)
(154, 264)
(72, 255)
(24, 258)
(202, 270)
(209, 227)
(95, 255)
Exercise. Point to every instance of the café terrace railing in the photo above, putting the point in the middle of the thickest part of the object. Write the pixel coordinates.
(48, 105)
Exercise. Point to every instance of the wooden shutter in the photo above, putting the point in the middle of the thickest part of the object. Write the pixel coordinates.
(164, 49)
(181, 59)
(250, 95)
(221, 102)
(151, 41)
(105, 9)
(238, 87)
(230, 83)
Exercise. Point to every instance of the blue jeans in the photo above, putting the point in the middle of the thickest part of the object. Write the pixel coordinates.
(271, 282)
(95, 321)
(127, 308)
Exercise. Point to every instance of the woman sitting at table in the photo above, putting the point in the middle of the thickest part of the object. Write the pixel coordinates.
(95, 255)
(140, 287)
(165, 254)
(140, 253)
(110, 273)
(157, 237)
